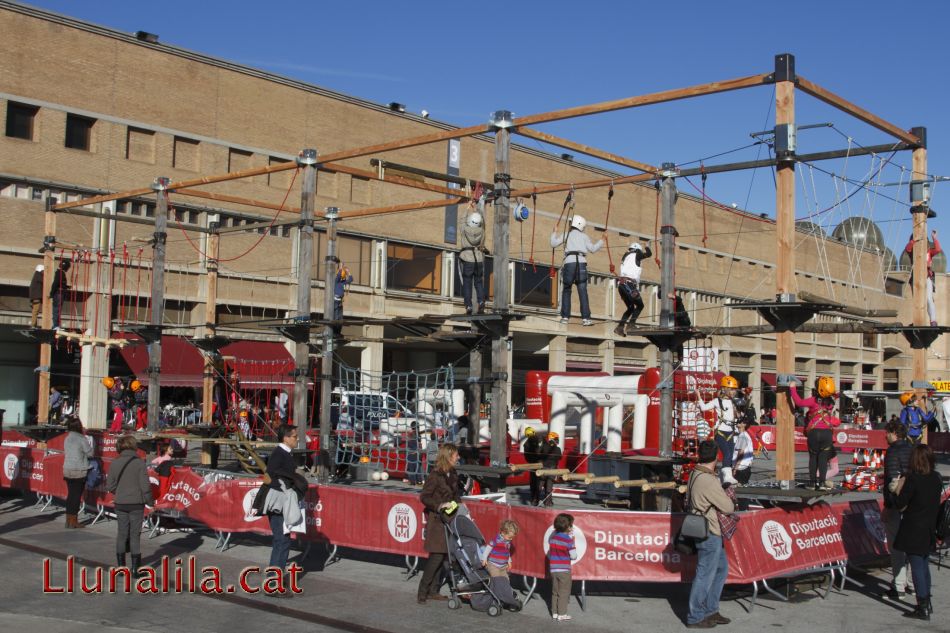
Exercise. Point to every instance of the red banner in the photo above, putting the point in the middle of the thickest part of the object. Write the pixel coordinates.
(845, 439)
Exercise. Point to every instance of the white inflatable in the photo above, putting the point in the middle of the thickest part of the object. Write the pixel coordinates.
(613, 393)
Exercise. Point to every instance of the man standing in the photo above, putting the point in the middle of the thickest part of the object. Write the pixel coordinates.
(343, 281)
(472, 260)
(914, 416)
(281, 466)
(550, 454)
(36, 295)
(577, 245)
(532, 455)
(629, 285)
(57, 291)
(706, 497)
(896, 463)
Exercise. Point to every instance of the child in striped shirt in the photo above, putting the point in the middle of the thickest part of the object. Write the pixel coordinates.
(561, 551)
(496, 557)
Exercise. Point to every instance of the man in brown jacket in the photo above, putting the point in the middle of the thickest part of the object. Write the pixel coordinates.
(706, 497)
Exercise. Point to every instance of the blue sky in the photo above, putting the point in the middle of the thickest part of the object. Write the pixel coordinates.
(462, 60)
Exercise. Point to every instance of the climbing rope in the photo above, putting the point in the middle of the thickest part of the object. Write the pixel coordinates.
(534, 222)
(610, 258)
(567, 207)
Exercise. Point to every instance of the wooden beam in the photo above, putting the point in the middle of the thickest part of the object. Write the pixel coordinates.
(656, 97)
(396, 208)
(406, 143)
(222, 197)
(550, 139)
(397, 180)
(859, 113)
(590, 184)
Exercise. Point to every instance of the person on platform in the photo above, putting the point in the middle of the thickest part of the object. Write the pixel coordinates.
(724, 429)
(77, 454)
(140, 396)
(919, 496)
(896, 464)
(531, 449)
(708, 499)
(550, 454)
(574, 271)
(117, 401)
(821, 421)
(341, 284)
(631, 270)
(562, 550)
(932, 251)
(57, 291)
(55, 404)
(36, 295)
(440, 495)
(472, 258)
(914, 416)
(128, 481)
(281, 467)
(743, 452)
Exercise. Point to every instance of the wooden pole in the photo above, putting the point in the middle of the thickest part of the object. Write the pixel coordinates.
(307, 160)
(785, 263)
(158, 300)
(667, 306)
(46, 349)
(326, 366)
(475, 393)
(919, 210)
(501, 121)
(211, 319)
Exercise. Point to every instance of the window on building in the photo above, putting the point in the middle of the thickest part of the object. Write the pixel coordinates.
(280, 179)
(140, 145)
(414, 268)
(185, 154)
(534, 285)
(239, 160)
(20, 120)
(79, 132)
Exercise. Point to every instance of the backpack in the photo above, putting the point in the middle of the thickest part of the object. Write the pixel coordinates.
(943, 521)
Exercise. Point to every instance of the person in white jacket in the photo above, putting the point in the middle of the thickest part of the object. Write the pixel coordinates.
(574, 271)
(724, 431)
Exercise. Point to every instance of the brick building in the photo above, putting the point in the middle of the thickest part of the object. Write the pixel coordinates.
(91, 110)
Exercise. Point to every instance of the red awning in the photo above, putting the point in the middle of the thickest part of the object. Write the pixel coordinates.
(183, 364)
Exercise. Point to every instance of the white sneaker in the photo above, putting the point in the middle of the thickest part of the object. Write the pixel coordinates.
(587, 322)
(555, 616)
(564, 618)
(565, 320)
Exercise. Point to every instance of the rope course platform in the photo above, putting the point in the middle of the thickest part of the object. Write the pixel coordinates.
(785, 316)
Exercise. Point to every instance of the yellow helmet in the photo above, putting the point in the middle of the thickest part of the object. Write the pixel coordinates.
(108, 382)
(552, 436)
(906, 397)
(135, 386)
(529, 431)
(729, 382)
(826, 387)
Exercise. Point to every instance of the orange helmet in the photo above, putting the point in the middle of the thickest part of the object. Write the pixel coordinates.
(728, 382)
(826, 387)
(108, 382)
(135, 386)
(243, 414)
(906, 397)
(552, 436)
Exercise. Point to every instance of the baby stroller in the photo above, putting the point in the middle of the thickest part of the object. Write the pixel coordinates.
(467, 578)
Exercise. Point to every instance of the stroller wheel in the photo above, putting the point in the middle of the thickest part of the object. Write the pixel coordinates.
(494, 610)
(454, 603)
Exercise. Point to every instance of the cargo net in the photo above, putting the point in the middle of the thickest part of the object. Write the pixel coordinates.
(392, 424)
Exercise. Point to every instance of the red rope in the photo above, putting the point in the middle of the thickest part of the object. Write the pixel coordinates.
(534, 222)
(123, 300)
(138, 284)
(95, 318)
(702, 170)
(610, 258)
(259, 240)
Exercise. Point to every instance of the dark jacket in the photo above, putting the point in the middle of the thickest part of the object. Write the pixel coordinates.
(439, 488)
(60, 282)
(921, 496)
(36, 286)
(896, 463)
(281, 465)
(128, 480)
(550, 454)
(532, 449)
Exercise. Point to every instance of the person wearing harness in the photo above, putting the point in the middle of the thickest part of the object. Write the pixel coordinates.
(932, 251)
(341, 284)
(576, 245)
(724, 431)
(629, 285)
(821, 421)
(473, 261)
(915, 417)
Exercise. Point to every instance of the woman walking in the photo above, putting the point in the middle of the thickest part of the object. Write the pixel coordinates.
(919, 497)
(75, 469)
(128, 481)
(440, 496)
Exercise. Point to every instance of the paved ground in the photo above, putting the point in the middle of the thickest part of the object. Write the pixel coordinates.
(368, 592)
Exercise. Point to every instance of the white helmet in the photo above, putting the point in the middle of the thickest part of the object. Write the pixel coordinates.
(579, 223)
(39, 268)
(635, 246)
(475, 219)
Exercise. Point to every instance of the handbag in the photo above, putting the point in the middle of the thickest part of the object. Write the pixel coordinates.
(693, 529)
